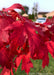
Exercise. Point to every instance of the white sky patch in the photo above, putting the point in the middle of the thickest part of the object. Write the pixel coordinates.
(44, 5)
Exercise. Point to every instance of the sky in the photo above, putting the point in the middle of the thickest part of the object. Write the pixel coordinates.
(43, 5)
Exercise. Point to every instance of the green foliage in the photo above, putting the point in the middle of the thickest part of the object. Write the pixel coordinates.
(26, 10)
(49, 17)
(36, 15)
(31, 16)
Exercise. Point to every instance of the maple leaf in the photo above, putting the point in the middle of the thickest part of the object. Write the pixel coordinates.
(15, 6)
(15, 15)
(22, 39)
(18, 61)
(23, 31)
(50, 46)
(6, 58)
(41, 53)
(45, 56)
(26, 64)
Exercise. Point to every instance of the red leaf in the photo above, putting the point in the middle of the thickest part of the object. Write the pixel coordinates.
(4, 37)
(15, 6)
(50, 46)
(18, 61)
(5, 21)
(26, 64)
(5, 71)
(23, 31)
